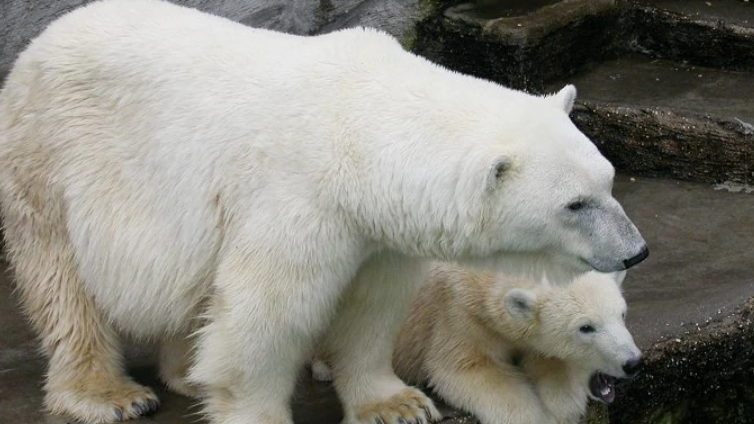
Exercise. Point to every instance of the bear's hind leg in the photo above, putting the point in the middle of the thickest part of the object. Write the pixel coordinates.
(360, 345)
(175, 362)
(86, 377)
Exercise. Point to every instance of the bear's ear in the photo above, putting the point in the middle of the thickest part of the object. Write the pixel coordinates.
(496, 171)
(565, 98)
(521, 304)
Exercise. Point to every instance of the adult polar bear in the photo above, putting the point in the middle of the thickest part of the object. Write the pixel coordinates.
(163, 171)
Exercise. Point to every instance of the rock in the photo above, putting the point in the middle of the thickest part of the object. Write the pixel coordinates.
(705, 376)
(683, 110)
(714, 33)
(523, 49)
(655, 142)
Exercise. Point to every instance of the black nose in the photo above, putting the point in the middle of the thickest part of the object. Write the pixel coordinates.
(628, 263)
(632, 366)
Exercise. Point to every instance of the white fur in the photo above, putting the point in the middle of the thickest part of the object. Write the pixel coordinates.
(509, 350)
(164, 170)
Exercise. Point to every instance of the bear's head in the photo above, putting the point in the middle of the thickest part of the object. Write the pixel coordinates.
(583, 324)
(548, 193)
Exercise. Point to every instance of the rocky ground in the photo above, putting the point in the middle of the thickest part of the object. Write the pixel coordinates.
(666, 90)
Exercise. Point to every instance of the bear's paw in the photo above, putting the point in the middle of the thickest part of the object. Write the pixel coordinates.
(103, 401)
(409, 406)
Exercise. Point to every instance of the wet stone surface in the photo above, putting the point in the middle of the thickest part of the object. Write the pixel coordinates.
(663, 85)
(716, 33)
(523, 51)
(642, 81)
(493, 9)
(704, 376)
(659, 142)
(662, 118)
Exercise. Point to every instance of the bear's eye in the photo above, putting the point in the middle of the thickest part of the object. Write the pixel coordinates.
(586, 329)
(577, 205)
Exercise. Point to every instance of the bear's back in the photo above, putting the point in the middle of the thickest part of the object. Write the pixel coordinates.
(140, 36)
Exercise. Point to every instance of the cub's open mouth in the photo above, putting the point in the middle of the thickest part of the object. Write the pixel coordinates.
(602, 387)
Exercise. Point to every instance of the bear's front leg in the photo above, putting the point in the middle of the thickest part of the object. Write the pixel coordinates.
(360, 343)
(494, 393)
(262, 319)
(561, 387)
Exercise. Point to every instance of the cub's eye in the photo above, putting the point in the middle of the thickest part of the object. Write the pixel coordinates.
(586, 329)
(577, 205)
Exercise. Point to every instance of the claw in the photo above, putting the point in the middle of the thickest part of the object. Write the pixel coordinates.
(428, 415)
(144, 407)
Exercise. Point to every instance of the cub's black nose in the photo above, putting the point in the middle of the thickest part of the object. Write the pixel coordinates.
(628, 263)
(632, 366)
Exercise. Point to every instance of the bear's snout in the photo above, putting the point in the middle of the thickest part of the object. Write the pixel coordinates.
(633, 366)
(628, 263)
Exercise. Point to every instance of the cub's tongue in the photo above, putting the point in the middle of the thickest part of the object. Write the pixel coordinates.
(602, 388)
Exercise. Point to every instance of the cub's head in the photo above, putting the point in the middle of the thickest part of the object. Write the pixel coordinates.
(581, 323)
(549, 190)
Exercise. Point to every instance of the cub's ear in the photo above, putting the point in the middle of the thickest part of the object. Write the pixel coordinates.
(497, 170)
(521, 304)
(565, 98)
(618, 277)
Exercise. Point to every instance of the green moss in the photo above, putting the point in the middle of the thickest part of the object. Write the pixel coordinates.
(729, 405)
(408, 40)
(673, 415)
(427, 9)
(597, 414)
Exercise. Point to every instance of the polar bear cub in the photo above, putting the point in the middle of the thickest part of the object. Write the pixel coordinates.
(516, 351)
(512, 350)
